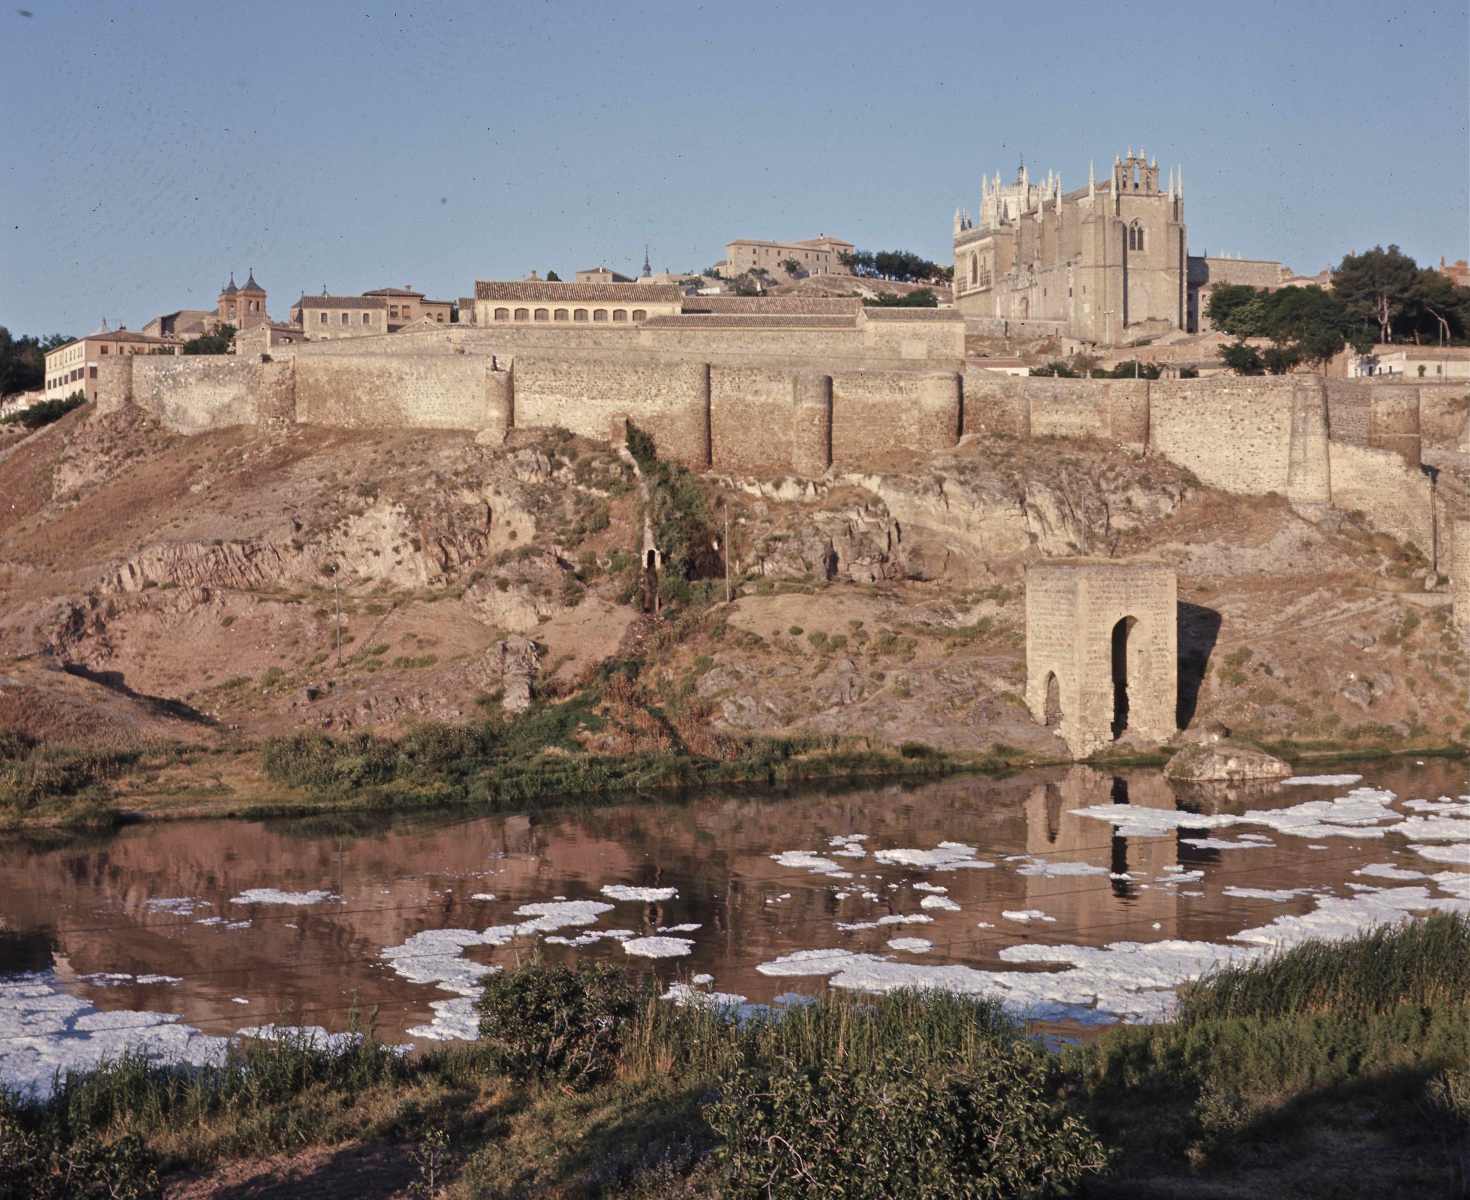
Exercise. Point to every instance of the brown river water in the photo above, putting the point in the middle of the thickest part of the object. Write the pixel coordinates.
(172, 936)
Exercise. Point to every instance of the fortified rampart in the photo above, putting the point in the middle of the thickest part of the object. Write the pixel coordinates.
(728, 400)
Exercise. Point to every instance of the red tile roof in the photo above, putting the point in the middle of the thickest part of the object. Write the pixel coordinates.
(586, 293)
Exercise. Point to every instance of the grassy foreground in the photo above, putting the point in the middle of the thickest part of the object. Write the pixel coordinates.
(1336, 1070)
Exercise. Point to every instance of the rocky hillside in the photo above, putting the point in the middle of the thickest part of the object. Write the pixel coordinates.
(250, 582)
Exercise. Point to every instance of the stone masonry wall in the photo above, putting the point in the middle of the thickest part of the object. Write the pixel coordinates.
(414, 391)
(190, 394)
(1233, 433)
(1394, 496)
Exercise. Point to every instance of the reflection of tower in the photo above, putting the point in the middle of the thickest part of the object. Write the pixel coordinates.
(1055, 834)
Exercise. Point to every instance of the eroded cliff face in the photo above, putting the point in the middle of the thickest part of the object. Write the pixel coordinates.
(265, 581)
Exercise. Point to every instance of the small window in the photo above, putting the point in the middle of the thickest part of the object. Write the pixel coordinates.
(523, 314)
(543, 315)
(620, 314)
(640, 314)
(579, 314)
(560, 314)
(502, 314)
(345, 318)
(367, 318)
(393, 311)
(324, 318)
(599, 314)
(93, 372)
(104, 349)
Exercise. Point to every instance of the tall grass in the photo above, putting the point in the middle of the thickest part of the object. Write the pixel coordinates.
(1423, 962)
(924, 1029)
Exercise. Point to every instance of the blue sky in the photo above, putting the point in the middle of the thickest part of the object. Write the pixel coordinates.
(154, 147)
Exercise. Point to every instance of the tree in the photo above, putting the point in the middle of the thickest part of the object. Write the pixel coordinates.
(1243, 359)
(1438, 308)
(1132, 369)
(23, 360)
(1377, 286)
(792, 267)
(1235, 308)
(552, 277)
(218, 342)
(1057, 368)
(918, 298)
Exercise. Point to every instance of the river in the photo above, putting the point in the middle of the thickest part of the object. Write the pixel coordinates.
(1079, 897)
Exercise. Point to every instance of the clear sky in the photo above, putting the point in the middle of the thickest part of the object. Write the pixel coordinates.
(152, 148)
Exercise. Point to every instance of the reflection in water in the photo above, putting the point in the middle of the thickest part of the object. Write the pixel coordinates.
(160, 899)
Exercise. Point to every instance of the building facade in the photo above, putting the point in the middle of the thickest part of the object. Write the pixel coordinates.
(326, 318)
(1104, 263)
(1207, 272)
(73, 367)
(242, 307)
(406, 306)
(821, 255)
(531, 302)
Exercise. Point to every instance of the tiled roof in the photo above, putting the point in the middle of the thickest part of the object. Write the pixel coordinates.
(392, 291)
(750, 321)
(783, 305)
(341, 302)
(874, 313)
(587, 293)
(116, 335)
(251, 285)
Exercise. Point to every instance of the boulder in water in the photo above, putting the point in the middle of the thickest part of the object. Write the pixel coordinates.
(1220, 762)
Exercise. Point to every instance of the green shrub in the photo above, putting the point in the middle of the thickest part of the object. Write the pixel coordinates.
(895, 1128)
(45, 412)
(567, 1023)
(42, 1166)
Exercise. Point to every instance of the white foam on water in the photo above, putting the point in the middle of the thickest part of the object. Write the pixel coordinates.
(687, 927)
(1445, 804)
(268, 895)
(1458, 856)
(940, 902)
(179, 906)
(1388, 871)
(619, 891)
(890, 919)
(1026, 914)
(117, 979)
(1249, 893)
(1321, 780)
(591, 937)
(483, 896)
(805, 860)
(548, 915)
(1454, 882)
(658, 947)
(1212, 843)
(925, 886)
(1435, 829)
(947, 856)
(238, 1000)
(1044, 869)
(911, 945)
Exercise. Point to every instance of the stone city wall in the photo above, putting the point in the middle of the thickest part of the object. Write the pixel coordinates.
(1355, 446)
(415, 391)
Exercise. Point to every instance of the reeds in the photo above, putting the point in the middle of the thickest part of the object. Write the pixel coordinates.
(1423, 962)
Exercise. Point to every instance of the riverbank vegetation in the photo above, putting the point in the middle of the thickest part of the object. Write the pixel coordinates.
(1337, 1069)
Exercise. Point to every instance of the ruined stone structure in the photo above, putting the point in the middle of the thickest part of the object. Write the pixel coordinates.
(1102, 653)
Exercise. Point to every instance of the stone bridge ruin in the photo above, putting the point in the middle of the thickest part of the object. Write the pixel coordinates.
(1102, 652)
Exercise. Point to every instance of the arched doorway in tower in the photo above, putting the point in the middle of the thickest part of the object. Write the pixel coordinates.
(1052, 712)
(1121, 633)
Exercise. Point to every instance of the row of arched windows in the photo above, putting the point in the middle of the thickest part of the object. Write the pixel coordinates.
(571, 314)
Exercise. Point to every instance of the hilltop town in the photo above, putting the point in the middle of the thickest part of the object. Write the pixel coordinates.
(391, 508)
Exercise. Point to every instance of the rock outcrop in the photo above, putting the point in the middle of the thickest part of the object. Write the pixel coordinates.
(1220, 762)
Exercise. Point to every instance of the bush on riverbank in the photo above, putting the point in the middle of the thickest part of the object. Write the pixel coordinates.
(36, 779)
(540, 755)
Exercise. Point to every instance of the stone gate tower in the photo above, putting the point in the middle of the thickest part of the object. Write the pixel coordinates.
(1102, 651)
